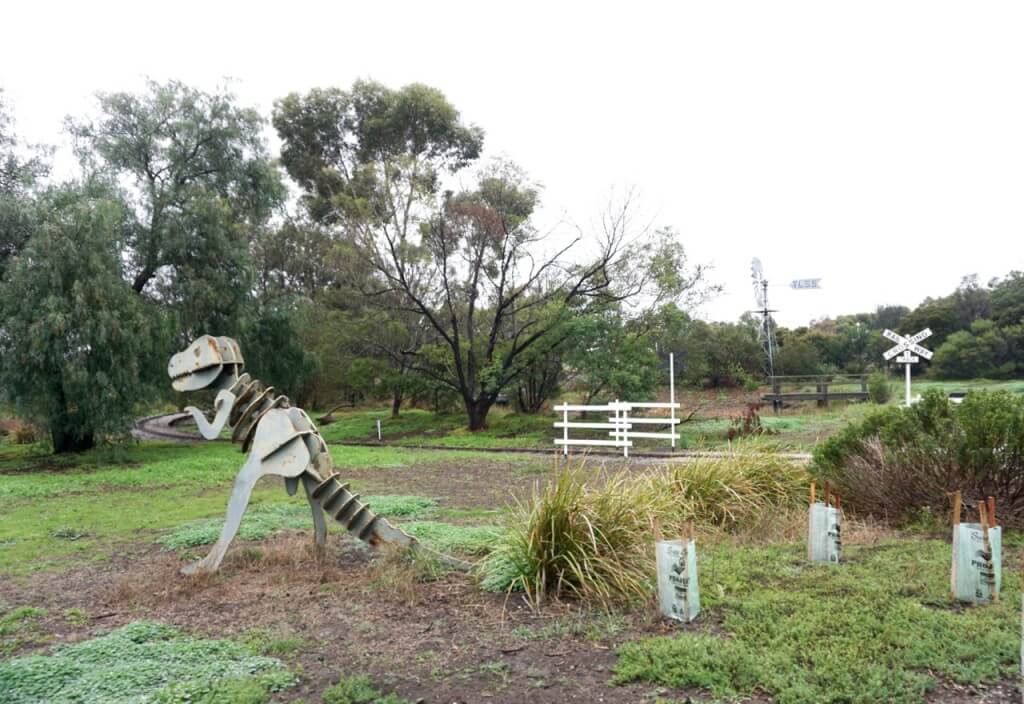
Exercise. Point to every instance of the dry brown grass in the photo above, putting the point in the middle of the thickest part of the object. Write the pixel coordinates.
(397, 574)
(790, 525)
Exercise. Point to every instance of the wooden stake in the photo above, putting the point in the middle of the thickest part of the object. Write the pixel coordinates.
(956, 507)
(983, 513)
(656, 529)
(689, 531)
(992, 512)
(812, 493)
(839, 504)
(828, 495)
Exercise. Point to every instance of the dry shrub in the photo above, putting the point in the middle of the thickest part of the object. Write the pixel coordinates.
(20, 432)
(900, 464)
(790, 526)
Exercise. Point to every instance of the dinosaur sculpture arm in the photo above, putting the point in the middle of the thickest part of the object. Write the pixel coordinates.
(225, 400)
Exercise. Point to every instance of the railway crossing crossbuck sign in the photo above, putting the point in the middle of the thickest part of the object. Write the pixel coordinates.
(908, 351)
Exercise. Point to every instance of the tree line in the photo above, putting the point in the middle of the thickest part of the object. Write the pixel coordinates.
(376, 256)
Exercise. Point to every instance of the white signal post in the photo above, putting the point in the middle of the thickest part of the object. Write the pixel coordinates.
(907, 349)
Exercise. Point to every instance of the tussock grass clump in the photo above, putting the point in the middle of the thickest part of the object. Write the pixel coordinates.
(568, 540)
(592, 540)
(727, 492)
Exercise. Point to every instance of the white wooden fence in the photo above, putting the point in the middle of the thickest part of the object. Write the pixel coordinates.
(620, 420)
(619, 423)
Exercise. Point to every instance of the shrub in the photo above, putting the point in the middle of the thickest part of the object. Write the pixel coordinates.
(748, 424)
(879, 388)
(898, 462)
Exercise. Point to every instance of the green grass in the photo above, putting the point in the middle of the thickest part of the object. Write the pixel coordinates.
(263, 520)
(145, 662)
(17, 628)
(879, 628)
(1015, 386)
(449, 538)
(358, 689)
(58, 511)
(418, 427)
(799, 429)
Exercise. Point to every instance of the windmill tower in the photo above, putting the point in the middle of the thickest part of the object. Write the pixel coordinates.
(766, 329)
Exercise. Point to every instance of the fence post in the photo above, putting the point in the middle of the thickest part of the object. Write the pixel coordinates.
(672, 395)
(624, 432)
(565, 429)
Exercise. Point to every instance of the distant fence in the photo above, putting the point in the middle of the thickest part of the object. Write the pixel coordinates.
(619, 422)
(826, 387)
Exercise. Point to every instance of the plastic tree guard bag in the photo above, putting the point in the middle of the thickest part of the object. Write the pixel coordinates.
(977, 574)
(678, 592)
(824, 541)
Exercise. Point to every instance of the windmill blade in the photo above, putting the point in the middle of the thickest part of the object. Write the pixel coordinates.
(756, 270)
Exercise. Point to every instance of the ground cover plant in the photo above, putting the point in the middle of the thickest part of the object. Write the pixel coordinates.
(144, 662)
(262, 520)
(880, 627)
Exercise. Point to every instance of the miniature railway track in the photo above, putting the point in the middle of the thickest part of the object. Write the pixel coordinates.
(161, 427)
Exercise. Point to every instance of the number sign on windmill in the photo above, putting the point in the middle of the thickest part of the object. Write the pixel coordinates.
(908, 351)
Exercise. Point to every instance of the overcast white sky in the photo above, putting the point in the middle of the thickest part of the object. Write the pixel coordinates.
(877, 145)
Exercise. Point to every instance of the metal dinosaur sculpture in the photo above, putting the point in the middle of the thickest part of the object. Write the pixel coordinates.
(280, 439)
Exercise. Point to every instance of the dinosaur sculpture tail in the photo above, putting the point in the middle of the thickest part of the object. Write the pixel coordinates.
(346, 508)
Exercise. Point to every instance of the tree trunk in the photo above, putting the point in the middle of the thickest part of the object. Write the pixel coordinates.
(396, 403)
(477, 412)
(68, 442)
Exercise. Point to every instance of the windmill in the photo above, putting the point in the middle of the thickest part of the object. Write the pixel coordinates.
(766, 329)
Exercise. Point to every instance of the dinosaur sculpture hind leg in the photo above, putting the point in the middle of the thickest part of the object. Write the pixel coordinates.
(277, 450)
(244, 483)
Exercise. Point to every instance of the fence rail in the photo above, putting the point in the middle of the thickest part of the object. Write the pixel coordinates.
(619, 424)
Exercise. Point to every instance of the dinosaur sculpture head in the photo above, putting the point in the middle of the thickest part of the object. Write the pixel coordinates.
(209, 362)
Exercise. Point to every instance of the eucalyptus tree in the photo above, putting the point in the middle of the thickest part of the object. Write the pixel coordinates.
(22, 166)
(370, 162)
(492, 292)
(198, 182)
(496, 291)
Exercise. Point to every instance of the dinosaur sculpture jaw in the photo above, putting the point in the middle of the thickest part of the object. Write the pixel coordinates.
(204, 362)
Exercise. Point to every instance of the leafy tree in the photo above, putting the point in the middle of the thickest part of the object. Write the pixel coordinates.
(608, 359)
(939, 314)
(21, 168)
(712, 355)
(1007, 299)
(986, 350)
(199, 181)
(888, 317)
(76, 338)
(797, 355)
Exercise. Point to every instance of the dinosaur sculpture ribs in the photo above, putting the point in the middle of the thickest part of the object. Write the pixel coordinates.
(279, 439)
